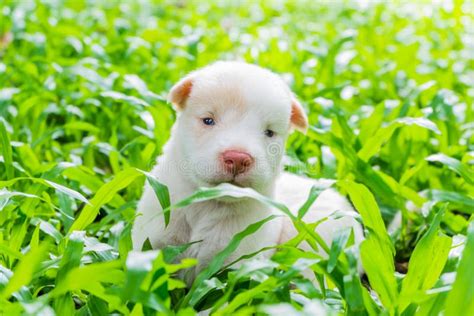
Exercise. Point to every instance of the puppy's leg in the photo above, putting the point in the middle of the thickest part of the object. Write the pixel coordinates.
(327, 204)
(150, 224)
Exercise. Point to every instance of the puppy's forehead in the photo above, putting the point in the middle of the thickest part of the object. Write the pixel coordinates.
(241, 86)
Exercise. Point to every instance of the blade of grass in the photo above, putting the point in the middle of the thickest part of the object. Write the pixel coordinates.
(376, 250)
(229, 190)
(6, 149)
(460, 300)
(313, 195)
(74, 194)
(161, 192)
(24, 271)
(218, 261)
(426, 262)
(103, 196)
(338, 244)
(373, 145)
(455, 165)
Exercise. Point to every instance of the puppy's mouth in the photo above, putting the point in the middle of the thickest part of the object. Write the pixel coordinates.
(237, 181)
(237, 184)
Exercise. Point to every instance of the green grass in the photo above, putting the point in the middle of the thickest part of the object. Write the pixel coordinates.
(389, 92)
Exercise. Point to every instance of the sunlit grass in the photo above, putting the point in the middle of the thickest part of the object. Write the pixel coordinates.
(389, 92)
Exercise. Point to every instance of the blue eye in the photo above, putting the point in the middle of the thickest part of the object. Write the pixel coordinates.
(269, 133)
(208, 121)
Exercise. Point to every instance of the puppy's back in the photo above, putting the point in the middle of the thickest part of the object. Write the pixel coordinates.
(293, 191)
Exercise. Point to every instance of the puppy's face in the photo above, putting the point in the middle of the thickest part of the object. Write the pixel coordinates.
(233, 123)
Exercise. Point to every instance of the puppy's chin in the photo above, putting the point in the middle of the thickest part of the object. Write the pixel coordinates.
(231, 200)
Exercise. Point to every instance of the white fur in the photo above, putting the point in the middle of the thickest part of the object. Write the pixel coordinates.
(245, 100)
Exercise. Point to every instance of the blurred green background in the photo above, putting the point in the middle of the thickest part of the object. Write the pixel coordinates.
(388, 86)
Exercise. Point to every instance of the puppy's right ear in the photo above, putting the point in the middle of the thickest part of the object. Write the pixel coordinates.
(180, 92)
(298, 118)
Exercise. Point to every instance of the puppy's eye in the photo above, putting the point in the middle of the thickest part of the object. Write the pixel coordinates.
(208, 121)
(269, 133)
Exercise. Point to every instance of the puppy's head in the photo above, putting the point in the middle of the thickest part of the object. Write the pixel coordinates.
(233, 122)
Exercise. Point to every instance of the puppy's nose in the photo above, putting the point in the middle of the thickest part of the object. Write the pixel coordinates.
(236, 161)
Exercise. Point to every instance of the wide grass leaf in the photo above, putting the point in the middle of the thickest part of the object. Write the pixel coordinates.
(376, 250)
(460, 300)
(226, 190)
(103, 196)
(313, 195)
(218, 261)
(81, 126)
(455, 198)
(426, 263)
(120, 97)
(72, 255)
(6, 149)
(338, 244)
(373, 144)
(79, 278)
(388, 93)
(455, 165)
(67, 191)
(144, 269)
(92, 278)
(161, 192)
(25, 269)
(58, 187)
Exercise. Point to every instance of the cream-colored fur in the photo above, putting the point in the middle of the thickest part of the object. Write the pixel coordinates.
(244, 101)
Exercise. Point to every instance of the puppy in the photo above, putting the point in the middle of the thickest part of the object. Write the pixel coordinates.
(233, 122)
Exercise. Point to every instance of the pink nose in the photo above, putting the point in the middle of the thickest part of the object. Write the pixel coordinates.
(236, 161)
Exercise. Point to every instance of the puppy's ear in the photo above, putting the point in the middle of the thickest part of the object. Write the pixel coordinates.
(298, 118)
(180, 92)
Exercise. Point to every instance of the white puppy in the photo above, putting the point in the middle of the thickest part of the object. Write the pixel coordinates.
(232, 125)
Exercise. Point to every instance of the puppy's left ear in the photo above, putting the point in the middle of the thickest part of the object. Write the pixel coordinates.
(180, 92)
(298, 118)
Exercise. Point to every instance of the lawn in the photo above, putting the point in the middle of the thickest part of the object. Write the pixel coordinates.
(389, 89)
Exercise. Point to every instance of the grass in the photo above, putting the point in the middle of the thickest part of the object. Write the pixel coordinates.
(389, 92)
